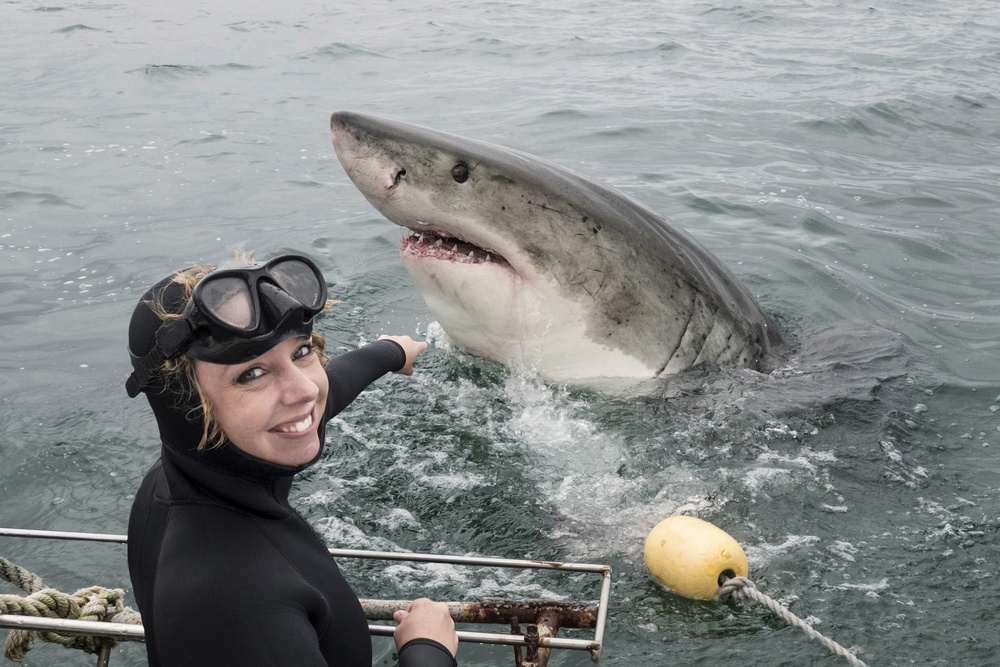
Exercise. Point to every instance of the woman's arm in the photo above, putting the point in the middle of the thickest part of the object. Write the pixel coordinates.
(350, 373)
(411, 348)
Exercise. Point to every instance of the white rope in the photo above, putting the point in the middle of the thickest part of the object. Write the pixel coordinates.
(742, 589)
(88, 604)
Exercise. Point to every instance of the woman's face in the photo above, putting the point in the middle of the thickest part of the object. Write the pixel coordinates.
(270, 407)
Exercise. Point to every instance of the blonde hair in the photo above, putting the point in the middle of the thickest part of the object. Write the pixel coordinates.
(180, 371)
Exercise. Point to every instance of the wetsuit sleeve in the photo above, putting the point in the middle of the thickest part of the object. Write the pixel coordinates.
(425, 653)
(350, 373)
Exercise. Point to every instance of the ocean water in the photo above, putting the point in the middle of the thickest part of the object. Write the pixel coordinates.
(840, 158)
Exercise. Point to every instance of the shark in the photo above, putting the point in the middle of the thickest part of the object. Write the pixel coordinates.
(541, 268)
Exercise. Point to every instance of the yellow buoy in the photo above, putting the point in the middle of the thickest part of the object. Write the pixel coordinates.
(687, 555)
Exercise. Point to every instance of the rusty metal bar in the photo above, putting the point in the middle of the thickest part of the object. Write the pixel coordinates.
(531, 648)
(563, 614)
(516, 629)
(548, 625)
(501, 639)
(543, 618)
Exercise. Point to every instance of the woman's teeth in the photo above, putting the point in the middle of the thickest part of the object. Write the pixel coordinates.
(299, 427)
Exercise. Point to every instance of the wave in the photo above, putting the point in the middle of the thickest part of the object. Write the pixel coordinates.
(77, 28)
(338, 51)
(956, 114)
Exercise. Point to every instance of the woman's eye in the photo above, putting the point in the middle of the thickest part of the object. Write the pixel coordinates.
(249, 375)
(304, 351)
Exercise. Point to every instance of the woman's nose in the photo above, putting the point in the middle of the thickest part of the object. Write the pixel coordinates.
(297, 386)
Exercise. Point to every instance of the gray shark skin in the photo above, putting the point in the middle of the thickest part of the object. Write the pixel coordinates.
(534, 265)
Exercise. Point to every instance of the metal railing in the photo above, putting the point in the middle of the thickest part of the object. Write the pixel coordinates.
(543, 619)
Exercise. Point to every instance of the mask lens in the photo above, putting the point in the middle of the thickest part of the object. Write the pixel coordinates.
(299, 281)
(228, 300)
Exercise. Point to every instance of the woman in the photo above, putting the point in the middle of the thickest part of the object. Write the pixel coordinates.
(224, 571)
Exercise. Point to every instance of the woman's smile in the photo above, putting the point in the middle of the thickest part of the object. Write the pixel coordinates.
(298, 427)
(270, 407)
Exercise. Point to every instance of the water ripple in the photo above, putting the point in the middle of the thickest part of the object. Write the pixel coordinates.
(170, 72)
(77, 28)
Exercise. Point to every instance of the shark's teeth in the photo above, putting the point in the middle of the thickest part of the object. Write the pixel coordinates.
(456, 250)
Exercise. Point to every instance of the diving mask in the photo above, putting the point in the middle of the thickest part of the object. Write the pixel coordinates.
(237, 312)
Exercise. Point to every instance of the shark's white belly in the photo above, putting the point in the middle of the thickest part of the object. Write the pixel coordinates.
(494, 313)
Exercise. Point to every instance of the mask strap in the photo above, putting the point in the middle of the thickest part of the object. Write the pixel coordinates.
(171, 339)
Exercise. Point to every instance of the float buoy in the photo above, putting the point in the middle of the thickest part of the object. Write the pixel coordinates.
(693, 558)
(689, 556)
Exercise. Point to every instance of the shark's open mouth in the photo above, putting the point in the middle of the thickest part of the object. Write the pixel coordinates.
(448, 248)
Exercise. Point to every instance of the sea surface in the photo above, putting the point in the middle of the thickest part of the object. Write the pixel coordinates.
(840, 157)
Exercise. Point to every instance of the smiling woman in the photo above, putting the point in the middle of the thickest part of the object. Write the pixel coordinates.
(241, 391)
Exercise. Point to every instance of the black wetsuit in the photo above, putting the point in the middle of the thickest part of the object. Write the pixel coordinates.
(225, 572)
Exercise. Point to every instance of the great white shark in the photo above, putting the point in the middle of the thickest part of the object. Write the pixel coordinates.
(534, 265)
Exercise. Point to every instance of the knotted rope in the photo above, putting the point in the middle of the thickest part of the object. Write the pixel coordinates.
(742, 589)
(87, 604)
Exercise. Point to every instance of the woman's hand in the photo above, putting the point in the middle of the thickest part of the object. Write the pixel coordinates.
(426, 620)
(411, 347)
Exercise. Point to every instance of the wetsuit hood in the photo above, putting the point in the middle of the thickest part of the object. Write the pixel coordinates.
(179, 418)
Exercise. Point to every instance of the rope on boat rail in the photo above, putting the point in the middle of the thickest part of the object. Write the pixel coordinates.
(742, 589)
(87, 604)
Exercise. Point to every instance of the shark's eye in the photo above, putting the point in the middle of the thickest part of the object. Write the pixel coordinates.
(460, 172)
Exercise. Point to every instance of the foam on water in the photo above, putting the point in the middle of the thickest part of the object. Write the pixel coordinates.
(602, 485)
